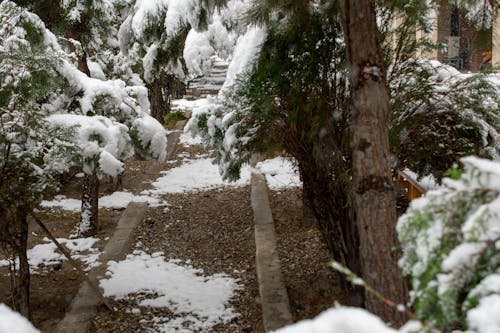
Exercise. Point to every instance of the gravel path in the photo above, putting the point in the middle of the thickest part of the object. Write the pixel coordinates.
(213, 231)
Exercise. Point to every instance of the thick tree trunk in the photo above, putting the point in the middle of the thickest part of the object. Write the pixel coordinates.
(21, 287)
(89, 220)
(159, 105)
(372, 188)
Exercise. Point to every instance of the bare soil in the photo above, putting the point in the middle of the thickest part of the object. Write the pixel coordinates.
(311, 284)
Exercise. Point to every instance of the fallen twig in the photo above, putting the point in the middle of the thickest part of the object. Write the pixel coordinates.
(73, 263)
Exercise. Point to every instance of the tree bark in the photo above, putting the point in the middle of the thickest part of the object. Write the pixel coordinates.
(308, 215)
(372, 189)
(89, 216)
(21, 288)
(159, 106)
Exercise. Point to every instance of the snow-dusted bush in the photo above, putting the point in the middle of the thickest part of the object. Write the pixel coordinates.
(451, 250)
(13, 322)
(480, 13)
(32, 152)
(450, 240)
(440, 115)
(108, 118)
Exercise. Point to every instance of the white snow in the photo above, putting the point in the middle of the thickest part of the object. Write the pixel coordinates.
(341, 320)
(280, 173)
(98, 138)
(145, 11)
(484, 318)
(152, 135)
(187, 139)
(186, 104)
(427, 182)
(197, 53)
(116, 200)
(198, 301)
(45, 254)
(201, 175)
(96, 71)
(244, 56)
(13, 322)
(192, 176)
(60, 201)
(148, 62)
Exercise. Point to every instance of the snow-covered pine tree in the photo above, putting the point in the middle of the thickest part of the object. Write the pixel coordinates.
(153, 36)
(111, 118)
(480, 13)
(297, 87)
(32, 151)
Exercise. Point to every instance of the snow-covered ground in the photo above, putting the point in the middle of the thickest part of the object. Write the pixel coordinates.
(193, 175)
(43, 255)
(117, 200)
(198, 301)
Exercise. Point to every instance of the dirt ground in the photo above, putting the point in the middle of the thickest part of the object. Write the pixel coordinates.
(213, 229)
(53, 287)
(311, 284)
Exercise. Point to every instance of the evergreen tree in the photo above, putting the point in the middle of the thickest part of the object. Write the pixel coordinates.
(32, 152)
(373, 196)
(153, 36)
(298, 88)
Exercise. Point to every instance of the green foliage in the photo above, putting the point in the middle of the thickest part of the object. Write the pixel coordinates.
(454, 172)
(174, 116)
(440, 115)
(450, 247)
(295, 94)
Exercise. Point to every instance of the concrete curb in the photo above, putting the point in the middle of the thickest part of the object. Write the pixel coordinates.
(84, 306)
(274, 297)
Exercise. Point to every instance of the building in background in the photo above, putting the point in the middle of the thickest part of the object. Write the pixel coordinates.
(465, 46)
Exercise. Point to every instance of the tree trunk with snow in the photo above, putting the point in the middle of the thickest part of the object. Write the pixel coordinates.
(89, 216)
(159, 105)
(372, 188)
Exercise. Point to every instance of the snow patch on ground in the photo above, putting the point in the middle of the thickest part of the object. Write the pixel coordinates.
(280, 173)
(193, 176)
(116, 200)
(201, 175)
(198, 301)
(45, 254)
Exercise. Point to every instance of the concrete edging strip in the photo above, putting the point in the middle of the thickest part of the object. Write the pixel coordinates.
(274, 297)
(84, 306)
